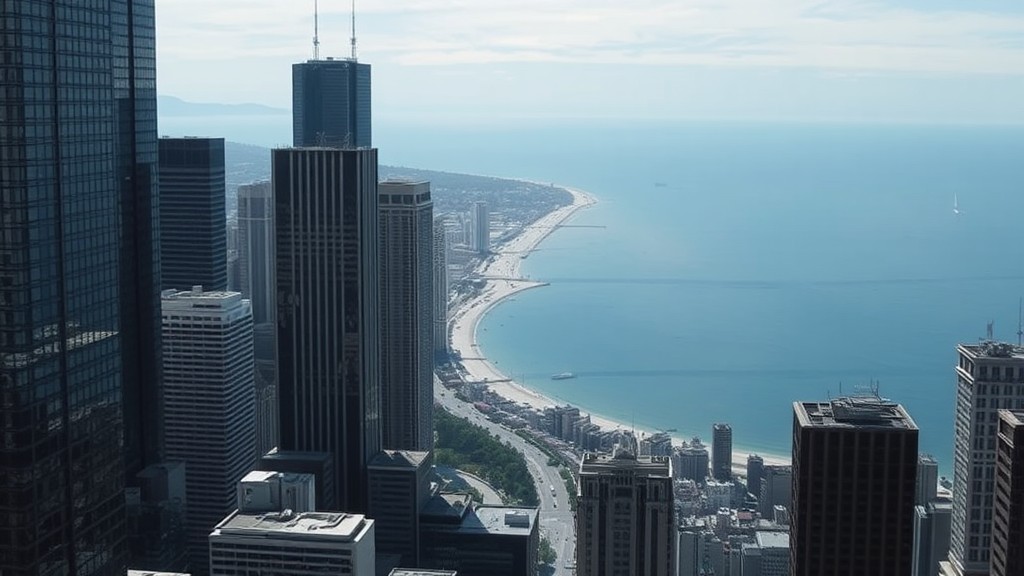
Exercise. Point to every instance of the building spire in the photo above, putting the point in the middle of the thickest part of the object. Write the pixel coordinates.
(353, 29)
(316, 29)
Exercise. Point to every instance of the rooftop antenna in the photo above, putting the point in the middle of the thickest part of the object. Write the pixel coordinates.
(1020, 321)
(353, 29)
(316, 29)
(989, 329)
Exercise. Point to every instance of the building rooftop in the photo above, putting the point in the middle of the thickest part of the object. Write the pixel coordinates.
(644, 465)
(502, 520)
(447, 508)
(1013, 417)
(150, 573)
(859, 411)
(774, 539)
(337, 526)
(421, 572)
(993, 349)
(399, 459)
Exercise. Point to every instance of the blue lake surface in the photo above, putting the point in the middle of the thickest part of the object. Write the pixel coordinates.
(746, 266)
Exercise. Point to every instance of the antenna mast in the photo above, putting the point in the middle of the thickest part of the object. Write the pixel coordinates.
(316, 30)
(1020, 321)
(353, 29)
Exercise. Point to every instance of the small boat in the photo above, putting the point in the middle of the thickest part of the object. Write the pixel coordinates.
(563, 376)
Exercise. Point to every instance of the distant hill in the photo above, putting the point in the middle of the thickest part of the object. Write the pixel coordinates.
(171, 106)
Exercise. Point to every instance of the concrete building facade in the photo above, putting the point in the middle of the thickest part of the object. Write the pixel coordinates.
(440, 289)
(721, 452)
(480, 217)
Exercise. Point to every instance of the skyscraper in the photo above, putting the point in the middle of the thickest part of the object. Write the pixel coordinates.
(193, 221)
(79, 280)
(481, 225)
(990, 375)
(1008, 515)
(209, 399)
(326, 270)
(407, 315)
(755, 471)
(721, 452)
(255, 249)
(624, 516)
(331, 103)
(927, 479)
(855, 458)
(440, 289)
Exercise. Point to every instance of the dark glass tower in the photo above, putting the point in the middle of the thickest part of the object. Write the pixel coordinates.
(193, 227)
(326, 270)
(79, 302)
(331, 103)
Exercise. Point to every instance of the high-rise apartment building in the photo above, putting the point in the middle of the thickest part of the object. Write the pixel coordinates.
(990, 376)
(79, 280)
(755, 471)
(1008, 512)
(776, 489)
(480, 217)
(440, 289)
(331, 103)
(193, 220)
(256, 249)
(693, 461)
(624, 516)
(721, 452)
(208, 403)
(857, 459)
(407, 315)
(927, 479)
(326, 270)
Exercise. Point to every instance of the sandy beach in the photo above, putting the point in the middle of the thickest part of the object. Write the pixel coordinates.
(504, 280)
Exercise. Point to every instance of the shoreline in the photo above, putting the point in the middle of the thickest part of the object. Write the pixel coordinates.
(503, 273)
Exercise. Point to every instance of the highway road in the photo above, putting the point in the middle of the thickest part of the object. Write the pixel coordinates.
(556, 518)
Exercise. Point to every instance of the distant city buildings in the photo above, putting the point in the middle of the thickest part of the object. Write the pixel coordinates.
(255, 249)
(480, 222)
(193, 230)
(326, 270)
(625, 515)
(331, 104)
(406, 248)
(857, 459)
(208, 399)
(693, 461)
(755, 471)
(990, 376)
(927, 479)
(440, 289)
(1008, 513)
(776, 489)
(721, 452)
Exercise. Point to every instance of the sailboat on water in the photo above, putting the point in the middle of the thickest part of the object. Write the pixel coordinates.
(956, 205)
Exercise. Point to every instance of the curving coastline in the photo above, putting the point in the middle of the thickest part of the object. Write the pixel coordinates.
(503, 273)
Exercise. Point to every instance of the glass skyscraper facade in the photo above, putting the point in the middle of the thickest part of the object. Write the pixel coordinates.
(79, 299)
(331, 103)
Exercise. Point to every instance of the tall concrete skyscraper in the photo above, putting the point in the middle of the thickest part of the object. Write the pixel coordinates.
(755, 471)
(440, 289)
(407, 315)
(721, 452)
(193, 221)
(208, 404)
(331, 103)
(1008, 515)
(989, 377)
(481, 226)
(624, 516)
(326, 269)
(255, 249)
(857, 459)
(79, 279)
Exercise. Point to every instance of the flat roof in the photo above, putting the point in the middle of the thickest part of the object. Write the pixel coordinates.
(399, 459)
(657, 466)
(150, 573)
(773, 539)
(502, 520)
(447, 507)
(994, 350)
(854, 412)
(421, 572)
(298, 526)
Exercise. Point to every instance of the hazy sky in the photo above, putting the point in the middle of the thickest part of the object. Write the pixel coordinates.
(466, 60)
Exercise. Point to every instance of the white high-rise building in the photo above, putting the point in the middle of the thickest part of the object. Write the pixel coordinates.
(208, 402)
(481, 219)
(406, 314)
(990, 376)
(440, 287)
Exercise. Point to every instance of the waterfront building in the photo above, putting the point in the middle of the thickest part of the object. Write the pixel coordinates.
(326, 270)
(693, 461)
(625, 515)
(400, 486)
(931, 536)
(288, 543)
(440, 289)
(480, 223)
(79, 280)
(256, 249)
(406, 314)
(856, 458)
(478, 540)
(1008, 511)
(208, 403)
(990, 376)
(331, 103)
(927, 480)
(721, 452)
(193, 229)
(755, 471)
(776, 489)
(657, 444)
